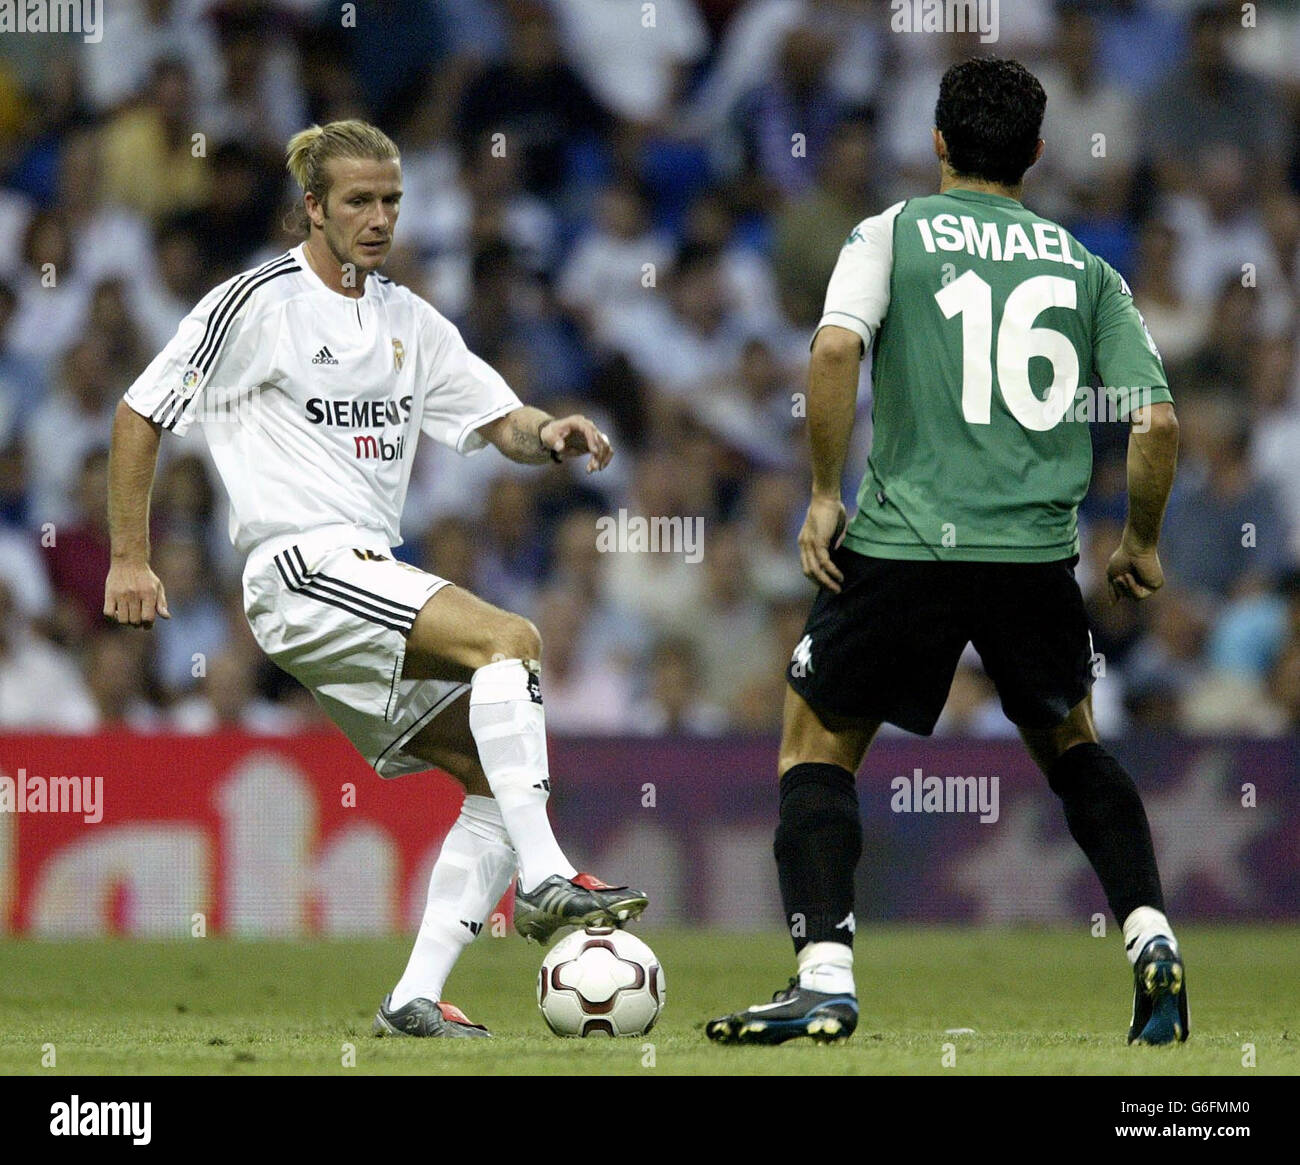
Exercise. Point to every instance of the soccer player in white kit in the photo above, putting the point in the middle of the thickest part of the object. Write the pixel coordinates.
(314, 376)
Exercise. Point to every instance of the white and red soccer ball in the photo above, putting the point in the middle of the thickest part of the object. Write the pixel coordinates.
(600, 980)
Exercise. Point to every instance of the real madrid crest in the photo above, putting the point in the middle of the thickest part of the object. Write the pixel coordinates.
(399, 354)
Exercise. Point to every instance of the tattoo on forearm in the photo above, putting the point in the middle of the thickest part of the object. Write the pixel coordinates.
(523, 440)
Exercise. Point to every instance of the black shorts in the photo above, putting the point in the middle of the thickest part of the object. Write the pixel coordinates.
(886, 647)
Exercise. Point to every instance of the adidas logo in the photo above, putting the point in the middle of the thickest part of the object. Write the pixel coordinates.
(544, 784)
(324, 356)
(472, 927)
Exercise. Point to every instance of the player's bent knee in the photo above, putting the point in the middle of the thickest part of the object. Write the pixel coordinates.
(786, 761)
(510, 637)
(466, 637)
(808, 739)
(800, 748)
(1048, 745)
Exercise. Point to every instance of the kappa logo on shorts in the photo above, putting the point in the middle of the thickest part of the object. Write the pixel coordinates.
(801, 660)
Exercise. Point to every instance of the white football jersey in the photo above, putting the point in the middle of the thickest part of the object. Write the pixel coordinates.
(312, 402)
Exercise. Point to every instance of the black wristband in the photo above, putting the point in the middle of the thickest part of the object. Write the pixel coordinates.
(554, 456)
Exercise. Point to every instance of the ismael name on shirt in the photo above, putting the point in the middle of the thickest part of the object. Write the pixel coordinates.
(950, 232)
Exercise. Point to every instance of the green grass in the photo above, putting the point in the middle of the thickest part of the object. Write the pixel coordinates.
(1040, 1002)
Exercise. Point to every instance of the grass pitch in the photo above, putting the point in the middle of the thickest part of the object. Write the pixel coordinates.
(1039, 1003)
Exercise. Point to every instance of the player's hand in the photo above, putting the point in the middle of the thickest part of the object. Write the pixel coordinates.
(823, 531)
(134, 595)
(573, 436)
(1134, 571)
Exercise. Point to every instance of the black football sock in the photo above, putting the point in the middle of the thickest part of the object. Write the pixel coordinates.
(818, 843)
(1106, 818)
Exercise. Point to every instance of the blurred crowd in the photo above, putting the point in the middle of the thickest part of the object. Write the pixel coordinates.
(632, 210)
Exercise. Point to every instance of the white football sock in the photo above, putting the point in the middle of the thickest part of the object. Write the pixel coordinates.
(473, 870)
(1140, 927)
(505, 716)
(827, 967)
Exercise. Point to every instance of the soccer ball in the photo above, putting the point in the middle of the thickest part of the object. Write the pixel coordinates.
(600, 980)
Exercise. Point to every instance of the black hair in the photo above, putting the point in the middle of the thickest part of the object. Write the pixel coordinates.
(990, 112)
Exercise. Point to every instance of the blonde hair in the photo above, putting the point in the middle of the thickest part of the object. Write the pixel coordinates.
(310, 149)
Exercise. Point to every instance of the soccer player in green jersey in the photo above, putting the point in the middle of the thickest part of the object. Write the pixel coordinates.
(988, 327)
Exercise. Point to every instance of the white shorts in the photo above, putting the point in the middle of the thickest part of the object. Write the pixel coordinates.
(333, 609)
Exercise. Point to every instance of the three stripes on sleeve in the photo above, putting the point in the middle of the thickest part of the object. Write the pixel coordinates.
(219, 323)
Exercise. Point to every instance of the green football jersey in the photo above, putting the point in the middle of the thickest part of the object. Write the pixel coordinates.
(988, 326)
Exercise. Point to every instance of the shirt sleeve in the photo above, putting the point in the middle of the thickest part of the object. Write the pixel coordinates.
(211, 358)
(463, 392)
(1123, 353)
(857, 297)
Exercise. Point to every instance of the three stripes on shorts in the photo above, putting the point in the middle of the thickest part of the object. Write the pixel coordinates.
(344, 595)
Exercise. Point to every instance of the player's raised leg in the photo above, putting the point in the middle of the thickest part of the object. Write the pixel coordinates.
(818, 843)
(1105, 816)
(460, 634)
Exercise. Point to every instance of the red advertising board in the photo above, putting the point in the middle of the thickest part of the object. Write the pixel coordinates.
(239, 834)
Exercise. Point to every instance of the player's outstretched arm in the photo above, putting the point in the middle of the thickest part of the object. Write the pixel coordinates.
(1134, 569)
(133, 594)
(531, 437)
(832, 404)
